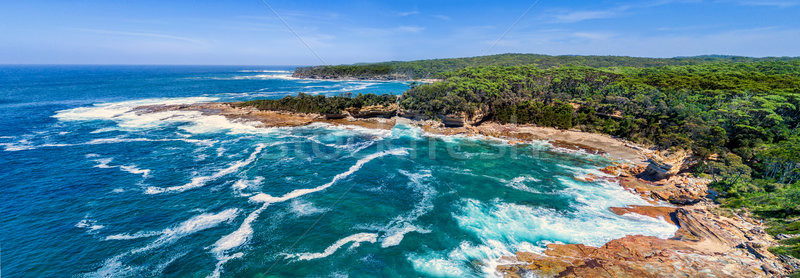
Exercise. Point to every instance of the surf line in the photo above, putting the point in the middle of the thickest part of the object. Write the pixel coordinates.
(202, 180)
(239, 237)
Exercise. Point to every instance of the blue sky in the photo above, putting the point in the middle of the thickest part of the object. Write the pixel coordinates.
(335, 32)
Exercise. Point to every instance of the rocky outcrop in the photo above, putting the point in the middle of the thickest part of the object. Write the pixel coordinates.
(682, 189)
(662, 166)
(708, 243)
(452, 120)
(639, 256)
(479, 116)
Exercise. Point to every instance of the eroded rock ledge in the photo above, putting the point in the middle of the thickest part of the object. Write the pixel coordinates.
(710, 242)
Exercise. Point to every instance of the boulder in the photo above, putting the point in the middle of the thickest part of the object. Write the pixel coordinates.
(665, 165)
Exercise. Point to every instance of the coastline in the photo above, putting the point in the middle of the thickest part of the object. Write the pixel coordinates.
(375, 78)
(709, 242)
(516, 134)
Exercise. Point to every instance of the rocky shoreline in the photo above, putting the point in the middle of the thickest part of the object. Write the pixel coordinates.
(379, 118)
(710, 241)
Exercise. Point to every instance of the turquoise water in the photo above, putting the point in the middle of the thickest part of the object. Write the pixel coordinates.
(90, 188)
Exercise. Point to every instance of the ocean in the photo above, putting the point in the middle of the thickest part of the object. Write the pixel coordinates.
(91, 188)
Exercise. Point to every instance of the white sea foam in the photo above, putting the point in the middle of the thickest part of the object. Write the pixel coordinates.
(245, 231)
(23, 145)
(104, 163)
(396, 234)
(202, 180)
(356, 239)
(283, 76)
(305, 208)
(112, 110)
(504, 228)
(135, 170)
(349, 130)
(238, 237)
(90, 225)
(221, 260)
(273, 71)
(518, 183)
(134, 235)
(349, 147)
(126, 117)
(436, 265)
(113, 267)
(347, 86)
(517, 223)
(582, 172)
(399, 226)
(454, 263)
(245, 183)
(190, 226)
(128, 140)
(266, 198)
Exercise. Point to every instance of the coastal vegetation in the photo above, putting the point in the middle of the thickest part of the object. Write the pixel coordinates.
(319, 104)
(423, 69)
(739, 116)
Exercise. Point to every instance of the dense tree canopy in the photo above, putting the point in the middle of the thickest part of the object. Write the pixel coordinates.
(434, 67)
(305, 103)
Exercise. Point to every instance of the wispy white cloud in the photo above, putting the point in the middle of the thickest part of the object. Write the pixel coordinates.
(408, 13)
(371, 31)
(576, 16)
(572, 16)
(770, 3)
(140, 34)
(687, 28)
(441, 16)
(410, 29)
(593, 35)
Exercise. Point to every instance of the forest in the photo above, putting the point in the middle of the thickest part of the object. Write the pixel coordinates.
(739, 116)
(319, 104)
(425, 69)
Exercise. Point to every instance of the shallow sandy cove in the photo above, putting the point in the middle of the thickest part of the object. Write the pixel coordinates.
(516, 134)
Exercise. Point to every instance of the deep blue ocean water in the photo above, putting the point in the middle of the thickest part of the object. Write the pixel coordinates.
(91, 188)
